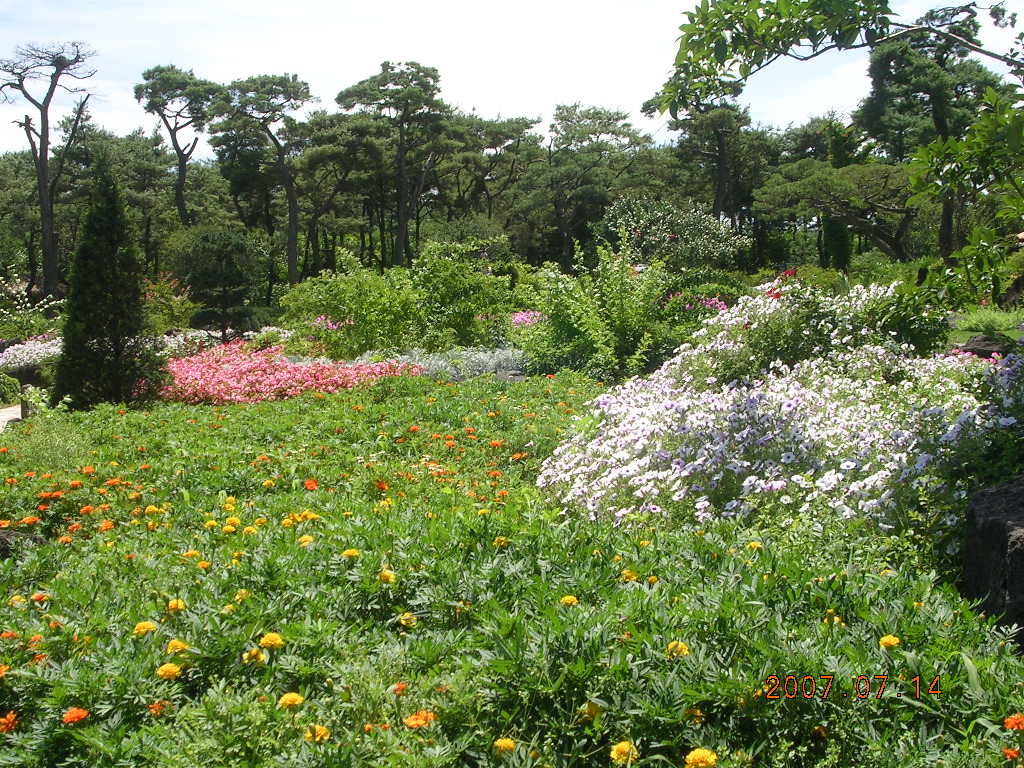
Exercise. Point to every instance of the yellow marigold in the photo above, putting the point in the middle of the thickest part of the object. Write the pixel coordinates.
(676, 649)
(176, 604)
(241, 594)
(590, 710)
(305, 540)
(210, 524)
(386, 577)
(889, 641)
(317, 733)
(249, 530)
(168, 671)
(652, 580)
(176, 646)
(701, 758)
(254, 656)
(228, 529)
(628, 575)
(350, 553)
(504, 744)
(272, 640)
(290, 700)
(624, 752)
(144, 628)
(569, 600)
(407, 620)
(755, 545)
(233, 521)
(500, 541)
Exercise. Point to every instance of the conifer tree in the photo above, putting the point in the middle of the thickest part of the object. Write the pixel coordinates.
(105, 357)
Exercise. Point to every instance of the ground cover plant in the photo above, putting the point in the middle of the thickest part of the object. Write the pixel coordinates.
(371, 577)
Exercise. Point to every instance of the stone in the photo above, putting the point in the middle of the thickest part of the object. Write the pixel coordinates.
(993, 568)
(989, 346)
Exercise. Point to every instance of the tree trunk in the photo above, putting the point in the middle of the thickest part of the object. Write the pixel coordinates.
(288, 181)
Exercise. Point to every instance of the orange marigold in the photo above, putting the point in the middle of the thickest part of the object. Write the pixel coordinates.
(1014, 722)
(75, 714)
(420, 719)
(311, 484)
(8, 722)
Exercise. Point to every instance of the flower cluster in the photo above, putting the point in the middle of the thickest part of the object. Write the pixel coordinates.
(527, 317)
(31, 353)
(233, 373)
(860, 431)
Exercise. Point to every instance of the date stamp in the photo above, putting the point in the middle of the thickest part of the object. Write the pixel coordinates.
(861, 687)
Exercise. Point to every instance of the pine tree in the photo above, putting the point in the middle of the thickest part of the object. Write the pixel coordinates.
(105, 357)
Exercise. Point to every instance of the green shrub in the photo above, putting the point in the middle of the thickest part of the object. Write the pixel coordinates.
(606, 322)
(166, 304)
(991, 320)
(655, 230)
(106, 357)
(343, 314)
(10, 389)
(221, 268)
(463, 301)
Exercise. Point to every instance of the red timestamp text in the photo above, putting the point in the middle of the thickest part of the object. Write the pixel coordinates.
(860, 687)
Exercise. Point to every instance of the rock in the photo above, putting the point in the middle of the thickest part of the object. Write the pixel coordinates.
(1013, 294)
(988, 346)
(993, 570)
(10, 541)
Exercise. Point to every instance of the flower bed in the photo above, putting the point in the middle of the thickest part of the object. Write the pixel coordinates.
(233, 373)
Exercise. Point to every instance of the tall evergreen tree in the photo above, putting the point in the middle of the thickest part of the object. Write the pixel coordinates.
(105, 357)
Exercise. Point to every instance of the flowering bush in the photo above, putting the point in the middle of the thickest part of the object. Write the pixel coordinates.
(837, 424)
(31, 354)
(21, 318)
(233, 373)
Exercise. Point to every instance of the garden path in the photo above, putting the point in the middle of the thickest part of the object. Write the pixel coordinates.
(9, 414)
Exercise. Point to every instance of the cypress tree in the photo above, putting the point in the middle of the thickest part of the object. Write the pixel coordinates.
(105, 357)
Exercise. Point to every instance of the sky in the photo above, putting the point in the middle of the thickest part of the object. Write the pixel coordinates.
(509, 61)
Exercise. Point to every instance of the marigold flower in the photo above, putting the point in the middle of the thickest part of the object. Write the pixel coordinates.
(628, 575)
(1014, 722)
(305, 540)
(8, 722)
(500, 541)
(156, 708)
(386, 577)
(569, 600)
(144, 628)
(701, 758)
(676, 649)
(311, 484)
(316, 734)
(168, 671)
(254, 656)
(106, 525)
(350, 553)
(623, 752)
(755, 545)
(290, 700)
(175, 604)
(1011, 753)
(3, 670)
(504, 744)
(420, 719)
(241, 595)
(889, 641)
(75, 714)
(272, 640)
(176, 646)
(407, 620)
(398, 688)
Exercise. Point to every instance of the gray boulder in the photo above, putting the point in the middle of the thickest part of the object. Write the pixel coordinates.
(994, 552)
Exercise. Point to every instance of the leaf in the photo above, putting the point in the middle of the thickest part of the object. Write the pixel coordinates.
(721, 50)
(973, 681)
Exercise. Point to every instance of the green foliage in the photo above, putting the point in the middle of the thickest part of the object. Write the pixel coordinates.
(463, 302)
(166, 304)
(21, 318)
(680, 238)
(219, 265)
(106, 357)
(991, 320)
(369, 310)
(493, 651)
(10, 389)
(600, 322)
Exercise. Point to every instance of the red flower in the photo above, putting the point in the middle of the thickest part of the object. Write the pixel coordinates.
(311, 484)
(1010, 753)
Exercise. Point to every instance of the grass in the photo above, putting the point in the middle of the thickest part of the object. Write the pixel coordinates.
(428, 601)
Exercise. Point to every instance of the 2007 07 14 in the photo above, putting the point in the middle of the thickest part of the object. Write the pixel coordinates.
(861, 687)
